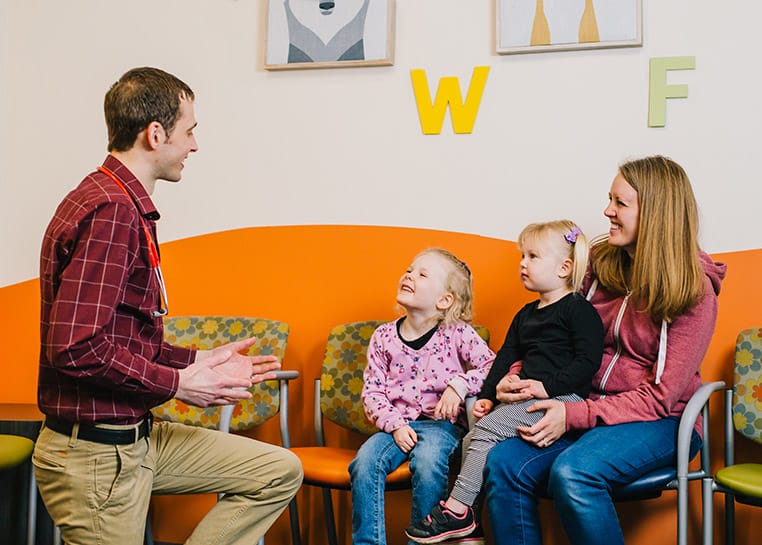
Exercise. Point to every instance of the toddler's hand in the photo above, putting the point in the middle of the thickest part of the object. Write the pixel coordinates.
(482, 407)
(448, 406)
(405, 438)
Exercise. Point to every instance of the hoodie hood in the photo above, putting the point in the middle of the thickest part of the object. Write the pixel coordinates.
(714, 270)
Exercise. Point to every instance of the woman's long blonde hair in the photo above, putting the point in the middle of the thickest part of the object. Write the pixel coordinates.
(665, 275)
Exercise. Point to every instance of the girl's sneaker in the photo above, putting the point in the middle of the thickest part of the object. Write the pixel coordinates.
(474, 538)
(442, 524)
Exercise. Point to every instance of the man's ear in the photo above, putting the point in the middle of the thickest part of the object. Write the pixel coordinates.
(154, 134)
(445, 301)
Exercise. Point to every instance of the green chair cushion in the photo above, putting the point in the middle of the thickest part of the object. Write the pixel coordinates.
(14, 450)
(744, 479)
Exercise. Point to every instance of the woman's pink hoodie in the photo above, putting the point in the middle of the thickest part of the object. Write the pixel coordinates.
(631, 385)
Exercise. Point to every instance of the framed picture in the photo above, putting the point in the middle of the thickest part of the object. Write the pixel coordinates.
(329, 34)
(529, 26)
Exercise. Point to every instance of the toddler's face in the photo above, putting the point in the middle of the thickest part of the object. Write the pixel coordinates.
(542, 259)
(424, 283)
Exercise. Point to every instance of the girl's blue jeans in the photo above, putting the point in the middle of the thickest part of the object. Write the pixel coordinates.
(579, 474)
(380, 455)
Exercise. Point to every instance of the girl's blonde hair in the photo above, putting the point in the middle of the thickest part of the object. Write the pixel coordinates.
(566, 234)
(459, 284)
(666, 277)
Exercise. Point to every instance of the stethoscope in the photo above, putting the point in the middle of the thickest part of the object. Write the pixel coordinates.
(153, 253)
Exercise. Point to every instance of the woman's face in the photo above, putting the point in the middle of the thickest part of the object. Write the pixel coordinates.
(623, 213)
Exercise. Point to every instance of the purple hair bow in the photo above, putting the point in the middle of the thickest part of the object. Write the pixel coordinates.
(571, 236)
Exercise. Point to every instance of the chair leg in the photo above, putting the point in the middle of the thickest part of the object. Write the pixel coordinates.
(148, 535)
(293, 515)
(31, 519)
(682, 511)
(730, 520)
(707, 511)
(329, 518)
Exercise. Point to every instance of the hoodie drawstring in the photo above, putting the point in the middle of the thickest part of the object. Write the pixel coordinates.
(661, 359)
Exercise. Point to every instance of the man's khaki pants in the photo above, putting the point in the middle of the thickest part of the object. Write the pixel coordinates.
(99, 494)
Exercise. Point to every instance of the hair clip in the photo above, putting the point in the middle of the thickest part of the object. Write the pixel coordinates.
(571, 236)
(463, 264)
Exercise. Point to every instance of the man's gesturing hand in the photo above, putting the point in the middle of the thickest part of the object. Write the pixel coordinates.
(223, 375)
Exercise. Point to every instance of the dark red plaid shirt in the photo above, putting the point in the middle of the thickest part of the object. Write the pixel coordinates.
(102, 357)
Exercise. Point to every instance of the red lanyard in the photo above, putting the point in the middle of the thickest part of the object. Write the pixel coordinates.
(153, 253)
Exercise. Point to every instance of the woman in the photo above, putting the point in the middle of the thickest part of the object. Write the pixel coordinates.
(656, 292)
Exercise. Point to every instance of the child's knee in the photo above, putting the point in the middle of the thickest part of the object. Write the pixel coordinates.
(362, 464)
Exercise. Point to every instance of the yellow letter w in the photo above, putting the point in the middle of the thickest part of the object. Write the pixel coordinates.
(462, 114)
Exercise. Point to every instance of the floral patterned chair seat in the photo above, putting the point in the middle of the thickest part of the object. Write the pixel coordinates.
(207, 332)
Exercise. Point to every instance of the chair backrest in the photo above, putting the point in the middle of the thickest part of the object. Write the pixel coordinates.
(341, 378)
(747, 379)
(207, 332)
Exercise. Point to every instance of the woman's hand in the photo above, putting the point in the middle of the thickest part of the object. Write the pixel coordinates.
(534, 388)
(405, 438)
(550, 427)
(448, 406)
(511, 389)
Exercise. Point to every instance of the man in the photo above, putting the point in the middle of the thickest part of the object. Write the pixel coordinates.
(103, 363)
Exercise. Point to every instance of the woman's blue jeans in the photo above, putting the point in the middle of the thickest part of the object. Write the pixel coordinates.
(379, 456)
(579, 474)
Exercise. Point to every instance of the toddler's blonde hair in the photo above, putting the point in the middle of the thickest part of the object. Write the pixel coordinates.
(567, 235)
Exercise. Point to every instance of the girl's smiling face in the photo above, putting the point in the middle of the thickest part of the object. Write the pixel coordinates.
(423, 286)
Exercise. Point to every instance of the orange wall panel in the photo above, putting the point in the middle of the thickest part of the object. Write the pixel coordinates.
(315, 277)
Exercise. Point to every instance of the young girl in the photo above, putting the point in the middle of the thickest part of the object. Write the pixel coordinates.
(420, 369)
(553, 347)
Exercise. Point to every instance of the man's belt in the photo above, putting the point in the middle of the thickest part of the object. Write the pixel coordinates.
(107, 436)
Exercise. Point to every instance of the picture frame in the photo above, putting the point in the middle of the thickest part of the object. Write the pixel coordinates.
(329, 34)
(535, 26)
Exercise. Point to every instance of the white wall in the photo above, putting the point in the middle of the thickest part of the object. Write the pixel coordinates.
(344, 146)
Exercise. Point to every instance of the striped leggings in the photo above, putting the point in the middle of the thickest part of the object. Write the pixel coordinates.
(493, 428)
